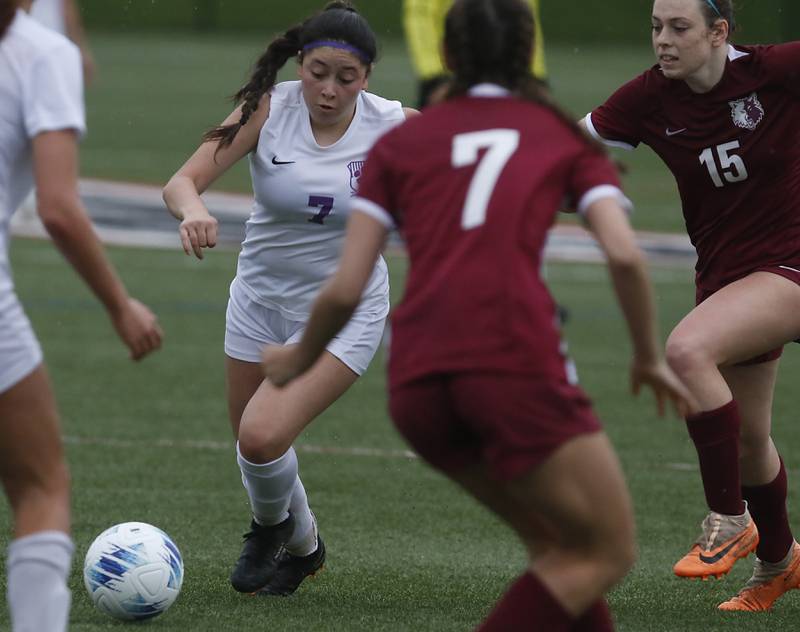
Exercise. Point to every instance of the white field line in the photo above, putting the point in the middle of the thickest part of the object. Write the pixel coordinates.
(682, 467)
(305, 448)
(227, 446)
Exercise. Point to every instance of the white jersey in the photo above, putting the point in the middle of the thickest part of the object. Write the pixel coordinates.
(50, 13)
(302, 193)
(41, 89)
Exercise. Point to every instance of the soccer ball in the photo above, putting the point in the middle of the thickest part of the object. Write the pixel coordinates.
(133, 571)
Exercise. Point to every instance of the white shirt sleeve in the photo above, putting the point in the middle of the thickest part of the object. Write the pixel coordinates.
(596, 135)
(54, 92)
(604, 191)
(375, 211)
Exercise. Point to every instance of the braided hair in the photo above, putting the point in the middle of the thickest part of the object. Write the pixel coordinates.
(8, 9)
(492, 41)
(338, 21)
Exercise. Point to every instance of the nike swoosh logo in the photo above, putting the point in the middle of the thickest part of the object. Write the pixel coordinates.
(275, 161)
(673, 132)
(718, 556)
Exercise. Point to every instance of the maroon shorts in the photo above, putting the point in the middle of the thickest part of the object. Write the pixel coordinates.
(510, 423)
(787, 272)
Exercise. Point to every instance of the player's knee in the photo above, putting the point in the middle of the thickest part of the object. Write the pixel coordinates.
(612, 559)
(262, 444)
(60, 478)
(685, 354)
(46, 483)
(604, 557)
(56, 481)
(623, 559)
(614, 548)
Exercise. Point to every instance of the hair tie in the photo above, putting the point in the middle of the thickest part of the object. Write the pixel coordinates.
(340, 45)
(713, 5)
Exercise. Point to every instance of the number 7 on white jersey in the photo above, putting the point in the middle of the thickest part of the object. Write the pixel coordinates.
(500, 145)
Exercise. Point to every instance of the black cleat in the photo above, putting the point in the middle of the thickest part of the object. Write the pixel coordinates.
(261, 553)
(292, 570)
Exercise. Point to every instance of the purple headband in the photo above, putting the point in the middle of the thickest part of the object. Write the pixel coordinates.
(340, 45)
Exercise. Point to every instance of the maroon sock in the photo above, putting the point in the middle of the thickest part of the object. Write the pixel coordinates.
(767, 505)
(527, 605)
(596, 619)
(716, 437)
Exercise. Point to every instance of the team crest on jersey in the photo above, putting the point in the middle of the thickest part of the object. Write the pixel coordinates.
(748, 112)
(355, 173)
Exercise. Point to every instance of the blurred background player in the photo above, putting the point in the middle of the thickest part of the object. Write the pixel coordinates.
(723, 118)
(423, 23)
(478, 383)
(64, 16)
(306, 141)
(41, 118)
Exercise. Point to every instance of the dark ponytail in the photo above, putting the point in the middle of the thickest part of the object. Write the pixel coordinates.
(492, 41)
(261, 81)
(8, 9)
(338, 21)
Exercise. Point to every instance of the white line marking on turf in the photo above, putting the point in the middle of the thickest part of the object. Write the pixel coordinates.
(376, 452)
(307, 448)
(190, 444)
(682, 467)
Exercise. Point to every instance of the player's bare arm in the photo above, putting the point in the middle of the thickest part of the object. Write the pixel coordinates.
(198, 228)
(626, 263)
(55, 161)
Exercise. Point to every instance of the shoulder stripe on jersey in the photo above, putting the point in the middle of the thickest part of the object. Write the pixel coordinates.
(375, 211)
(604, 191)
(608, 143)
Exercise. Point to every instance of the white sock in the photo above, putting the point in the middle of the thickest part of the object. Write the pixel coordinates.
(269, 486)
(304, 537)
(37, 567)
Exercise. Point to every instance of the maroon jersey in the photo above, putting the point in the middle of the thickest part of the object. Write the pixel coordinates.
(734, 151)
(473, 185)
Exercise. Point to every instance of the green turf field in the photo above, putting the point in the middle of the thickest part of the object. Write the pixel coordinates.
(407, 551)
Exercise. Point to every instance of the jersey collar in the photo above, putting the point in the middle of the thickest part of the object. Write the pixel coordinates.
(488, 90)
(734, 54)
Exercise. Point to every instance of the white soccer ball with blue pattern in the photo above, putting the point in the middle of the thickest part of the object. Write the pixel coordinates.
(133, 571)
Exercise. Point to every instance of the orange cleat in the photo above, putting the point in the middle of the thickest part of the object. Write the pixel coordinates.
(769, 581)
(724, 540)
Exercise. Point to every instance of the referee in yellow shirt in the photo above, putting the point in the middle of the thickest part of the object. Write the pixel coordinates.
(423, 21)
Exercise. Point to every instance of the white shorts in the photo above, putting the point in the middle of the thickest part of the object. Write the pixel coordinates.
(250, 326)
(20, 352)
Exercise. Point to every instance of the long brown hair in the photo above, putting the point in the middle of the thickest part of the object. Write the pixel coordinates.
(492, 41)
(338, 21)
(8, 9)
